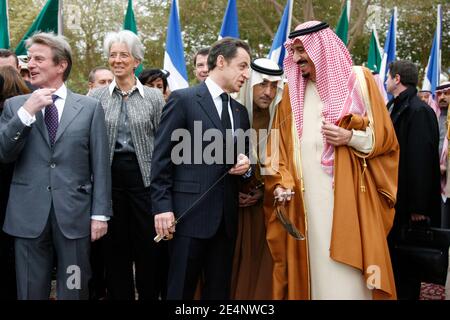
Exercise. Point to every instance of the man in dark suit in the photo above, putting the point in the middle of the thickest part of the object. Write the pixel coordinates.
(202, 193)
(418, 195)
(60, 193)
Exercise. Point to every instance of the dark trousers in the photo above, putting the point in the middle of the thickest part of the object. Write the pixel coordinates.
(97, 285)
(35, 259)
(192, 259)
(7, 271)
(406, 283)
(130, 237)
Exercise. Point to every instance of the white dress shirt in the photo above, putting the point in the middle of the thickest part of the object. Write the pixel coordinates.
(215, 92)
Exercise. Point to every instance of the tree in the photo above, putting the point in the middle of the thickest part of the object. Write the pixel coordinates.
(258, 20)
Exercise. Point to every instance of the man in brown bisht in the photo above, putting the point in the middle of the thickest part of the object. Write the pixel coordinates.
(337, 176)
(252, 263)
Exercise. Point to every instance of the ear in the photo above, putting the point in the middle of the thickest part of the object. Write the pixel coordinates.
(397, 78)
(220, 61)
(63, 64)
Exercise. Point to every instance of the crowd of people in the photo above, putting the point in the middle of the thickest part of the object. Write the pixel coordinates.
(257, 183)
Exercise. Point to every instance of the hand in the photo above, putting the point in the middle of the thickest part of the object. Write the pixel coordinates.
(98, 229)
(443, 168)
(242, 165)
(164, 224)
(38, 100)
(417, 217)
(250, 199)
(335, 135)
(282, 195)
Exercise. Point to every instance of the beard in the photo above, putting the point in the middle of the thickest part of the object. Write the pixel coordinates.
(305, 75)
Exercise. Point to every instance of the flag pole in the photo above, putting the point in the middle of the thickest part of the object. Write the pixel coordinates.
(60, 18)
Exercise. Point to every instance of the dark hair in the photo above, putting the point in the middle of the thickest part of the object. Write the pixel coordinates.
(5, 53)
(408, 72)
(150, 75)
(13, 84)
(201, 52)
(226, 47)
(59, 46)
(91, 77)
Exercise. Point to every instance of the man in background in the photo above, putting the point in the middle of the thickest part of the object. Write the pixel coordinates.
(100, 77)
(201, 64)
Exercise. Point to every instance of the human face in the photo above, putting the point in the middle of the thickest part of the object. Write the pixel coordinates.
(8, 61)
(201, 67)
(25, 73)
(264, 93)
(444, 98)
(43, 71)
(121, 61)
(391, 84)
(235, 72)
(157, 84)
(304, 62)
(103, 78)
(423, 96)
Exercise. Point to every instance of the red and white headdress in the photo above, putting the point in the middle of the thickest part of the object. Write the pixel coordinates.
(336, 83)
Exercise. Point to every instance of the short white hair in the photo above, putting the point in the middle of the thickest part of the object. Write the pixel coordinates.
(127, 37)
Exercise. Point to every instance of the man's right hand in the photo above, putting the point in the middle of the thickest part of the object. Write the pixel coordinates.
(282, 195)
(164, 223)
(38, 100)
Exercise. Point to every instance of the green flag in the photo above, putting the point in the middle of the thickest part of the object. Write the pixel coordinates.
(47, 21)
(130, 24)
(342, 27)
(374, 57)
(4, 28)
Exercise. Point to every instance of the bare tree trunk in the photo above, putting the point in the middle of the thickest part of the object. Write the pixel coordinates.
(308, 10)
(357, 28)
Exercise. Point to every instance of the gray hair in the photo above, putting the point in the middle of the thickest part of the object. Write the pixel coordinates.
(129, 38)
(91, 77)
(59, 46)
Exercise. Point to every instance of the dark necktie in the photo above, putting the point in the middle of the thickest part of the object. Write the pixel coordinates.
(51, 119)
(225, 116)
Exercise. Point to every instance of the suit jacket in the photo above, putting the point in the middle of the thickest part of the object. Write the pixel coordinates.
(73, 175)
(143, 114)
(205, 190)
(417, 132)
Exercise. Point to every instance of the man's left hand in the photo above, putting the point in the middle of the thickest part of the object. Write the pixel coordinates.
(98, 229)
(242, 165)
(335, 135)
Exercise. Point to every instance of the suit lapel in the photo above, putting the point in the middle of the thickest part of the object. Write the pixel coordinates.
(71, 109)
(236, 115)
(40, 125)
(206, 102)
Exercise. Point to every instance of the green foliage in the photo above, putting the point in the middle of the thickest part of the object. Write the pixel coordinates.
(201, 21)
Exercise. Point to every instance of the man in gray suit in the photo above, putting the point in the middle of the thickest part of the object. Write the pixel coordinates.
(60, 192)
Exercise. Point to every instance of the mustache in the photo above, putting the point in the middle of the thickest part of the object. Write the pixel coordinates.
(302, 61)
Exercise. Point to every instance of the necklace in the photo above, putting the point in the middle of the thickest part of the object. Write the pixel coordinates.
(126, 93)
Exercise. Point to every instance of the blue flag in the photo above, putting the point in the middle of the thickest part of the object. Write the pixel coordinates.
(433, 69)
(230, 25)
(174, 56)
(390, 52)
(277, 51)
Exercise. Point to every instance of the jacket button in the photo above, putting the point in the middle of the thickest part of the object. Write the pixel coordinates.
(17, 136)
(49, 188)
(52, 165)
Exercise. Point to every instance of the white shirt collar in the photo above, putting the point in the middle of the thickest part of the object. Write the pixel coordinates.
(61, 92)
(139, 86)
(213, 88)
